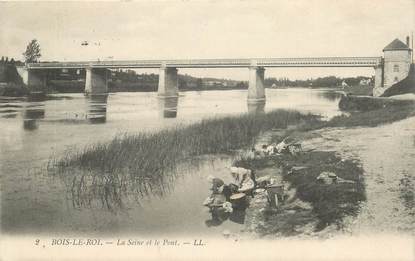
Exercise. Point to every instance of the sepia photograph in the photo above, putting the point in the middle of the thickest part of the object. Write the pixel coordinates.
(207, 130)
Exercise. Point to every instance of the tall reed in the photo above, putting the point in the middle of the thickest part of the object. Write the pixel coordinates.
(150, 154)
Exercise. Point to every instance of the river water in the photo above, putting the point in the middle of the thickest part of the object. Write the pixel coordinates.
(33, 131)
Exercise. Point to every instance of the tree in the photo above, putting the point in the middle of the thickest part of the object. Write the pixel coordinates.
(32, 53)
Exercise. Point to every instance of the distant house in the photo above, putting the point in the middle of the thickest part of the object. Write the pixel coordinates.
(65, 72)
(344, 84)
(213, 83)
(365, 82)
(397, 61)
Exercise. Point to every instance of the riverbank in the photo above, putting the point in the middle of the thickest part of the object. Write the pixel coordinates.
(312, 204)
(368, 103)
(321, 189)
(372, 165)
(149, 160)
(13, 90)
(386, 155)
(20, 90)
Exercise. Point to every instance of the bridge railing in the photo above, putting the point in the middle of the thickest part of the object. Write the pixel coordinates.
(195, 63)
(370, 61)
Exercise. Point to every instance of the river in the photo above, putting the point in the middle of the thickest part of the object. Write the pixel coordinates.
(33, 131)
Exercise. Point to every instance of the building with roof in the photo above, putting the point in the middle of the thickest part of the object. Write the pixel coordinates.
(397, 59)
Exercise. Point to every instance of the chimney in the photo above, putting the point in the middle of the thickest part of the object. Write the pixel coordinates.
(407, 41)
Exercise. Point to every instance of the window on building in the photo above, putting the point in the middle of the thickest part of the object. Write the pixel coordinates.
(396, 79)
(396, 68)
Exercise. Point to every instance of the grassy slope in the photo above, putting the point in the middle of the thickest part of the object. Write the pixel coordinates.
(359, 90)
(374, 118)
(331, 203)
(371, 118)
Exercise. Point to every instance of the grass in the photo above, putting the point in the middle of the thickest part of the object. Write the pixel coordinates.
(330, 202)
(359, 90)
(370, 118)
(407, 191)
(145, 163)
(375, 117)
(141, 161)
(148, 155)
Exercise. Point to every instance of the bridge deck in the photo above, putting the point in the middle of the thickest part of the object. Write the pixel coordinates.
(218, 63)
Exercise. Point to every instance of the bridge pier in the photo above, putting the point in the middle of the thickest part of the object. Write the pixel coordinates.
(96, 81)
(168, 107)
(168, 82)
(32, 78)
(378, 87)
(256, 90)
(256, 107)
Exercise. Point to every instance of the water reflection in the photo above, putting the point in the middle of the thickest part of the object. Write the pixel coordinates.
(257, 107)
(329, 95)
(32, 114)
(9, 107)
(168, 107)
(92, 189)
(115, 192)
(97, 108)
(151, 198)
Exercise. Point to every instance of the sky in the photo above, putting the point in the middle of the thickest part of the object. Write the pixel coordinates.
(130, 30)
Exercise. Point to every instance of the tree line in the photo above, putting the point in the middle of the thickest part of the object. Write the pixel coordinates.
(328, 81)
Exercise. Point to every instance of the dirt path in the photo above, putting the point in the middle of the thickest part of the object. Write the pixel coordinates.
(387, 155)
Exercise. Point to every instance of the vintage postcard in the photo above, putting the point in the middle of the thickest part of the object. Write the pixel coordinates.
(207, 130)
